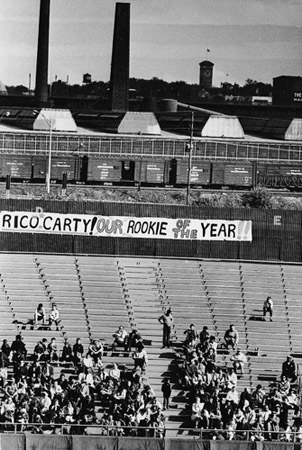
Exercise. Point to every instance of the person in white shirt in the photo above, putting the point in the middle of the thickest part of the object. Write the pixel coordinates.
(120, 338)
(233, 396)
(239, 359)
(45, 403)
(115, 372)
(140, 357)
(197, 408)
(54, 316)
(231, 379)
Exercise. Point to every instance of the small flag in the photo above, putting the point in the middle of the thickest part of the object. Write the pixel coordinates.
(208, 50)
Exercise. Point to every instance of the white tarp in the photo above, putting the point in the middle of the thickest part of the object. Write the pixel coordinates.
(294, 131)
(139, 123)
(223, 127)
(123, 226)
(57, 119)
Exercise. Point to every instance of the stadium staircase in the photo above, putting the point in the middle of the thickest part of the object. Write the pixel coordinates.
(60, 278)
(104, 303)
(24, 289)
(140, 288)
(268, 342)
(292, 287)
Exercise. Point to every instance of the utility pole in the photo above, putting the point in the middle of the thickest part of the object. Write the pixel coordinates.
(190, 149)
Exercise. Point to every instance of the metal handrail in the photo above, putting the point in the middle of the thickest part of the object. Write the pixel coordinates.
(152, 147)
(150, 431)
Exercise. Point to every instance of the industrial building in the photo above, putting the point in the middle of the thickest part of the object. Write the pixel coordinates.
(287, 90)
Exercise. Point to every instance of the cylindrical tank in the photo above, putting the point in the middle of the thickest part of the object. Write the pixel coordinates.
(168, 105)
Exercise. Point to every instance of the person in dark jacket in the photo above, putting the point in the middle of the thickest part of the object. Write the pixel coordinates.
(289, 369)
(166, 390)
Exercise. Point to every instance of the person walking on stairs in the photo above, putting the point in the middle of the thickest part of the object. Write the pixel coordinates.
(166, 390)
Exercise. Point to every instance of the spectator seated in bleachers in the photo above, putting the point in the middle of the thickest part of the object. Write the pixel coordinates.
(67, 353)
(40, 350)
(120, 339)
(268, 307)
(204, 338)
(231, 337)
(3, 375)
(78, 352)
(232, 395)
(198, 413)
(96, 350)
(133, 339)
(289, 369)
(191, 336)
(39, 315)
(284, 386)
(258, 397)
(18, 352)
(37, 396)
(54, 316)
(250, 415)
(140, 357)
(239, 359)
(293, 400)
(231, 378)
(5, 353)
(52, 350)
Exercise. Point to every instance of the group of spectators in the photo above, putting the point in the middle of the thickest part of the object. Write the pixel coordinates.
(216, 404)
(32, 394)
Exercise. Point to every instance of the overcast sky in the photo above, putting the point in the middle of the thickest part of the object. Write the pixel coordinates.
(257, 39)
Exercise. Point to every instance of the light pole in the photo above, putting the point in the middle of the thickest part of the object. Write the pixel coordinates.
(48, 175)
(49, 123)
(190, 149)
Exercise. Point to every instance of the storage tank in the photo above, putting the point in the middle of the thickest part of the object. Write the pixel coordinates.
(168, 105)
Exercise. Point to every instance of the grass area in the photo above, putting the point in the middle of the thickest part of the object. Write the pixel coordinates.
(258, 198)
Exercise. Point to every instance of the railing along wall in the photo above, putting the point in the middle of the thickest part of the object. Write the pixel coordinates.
(149, 433)
(152, 147)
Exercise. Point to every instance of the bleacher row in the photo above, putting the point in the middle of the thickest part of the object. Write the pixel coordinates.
(97, 294)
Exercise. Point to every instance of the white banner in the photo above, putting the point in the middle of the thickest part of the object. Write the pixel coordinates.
(122, 226)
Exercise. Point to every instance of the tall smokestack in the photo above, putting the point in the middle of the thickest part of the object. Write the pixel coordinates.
(41, 92)
(119, 77)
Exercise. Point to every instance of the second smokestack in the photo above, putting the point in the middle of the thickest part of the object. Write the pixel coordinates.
(119, 77)
(41, 91)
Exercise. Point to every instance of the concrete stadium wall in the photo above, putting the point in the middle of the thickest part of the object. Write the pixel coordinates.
(65, 442)
(276, 234)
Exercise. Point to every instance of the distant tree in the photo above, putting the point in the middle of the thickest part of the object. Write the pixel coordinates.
(253, 87)
(17, 90)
